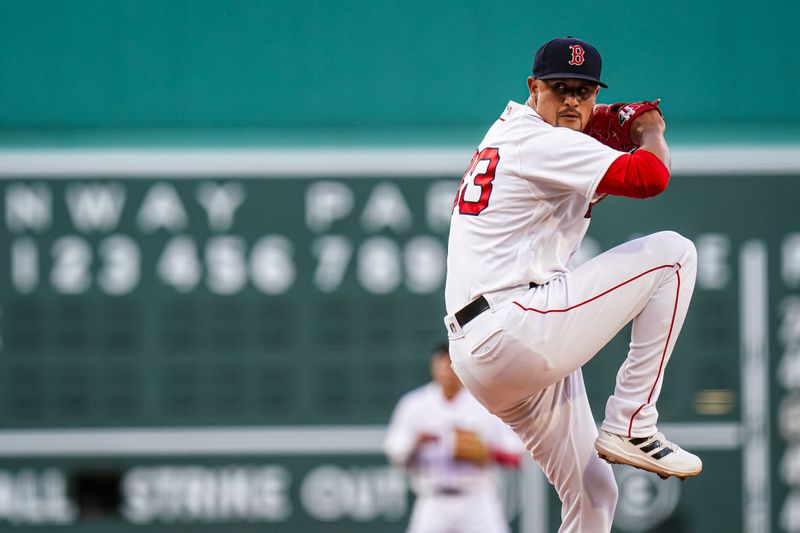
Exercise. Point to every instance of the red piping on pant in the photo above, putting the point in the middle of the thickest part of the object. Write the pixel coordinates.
(669, 334)
(663, 354)
(594, 297)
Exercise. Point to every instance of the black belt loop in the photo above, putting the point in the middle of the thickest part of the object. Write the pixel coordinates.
(476, 307)
(471, 310)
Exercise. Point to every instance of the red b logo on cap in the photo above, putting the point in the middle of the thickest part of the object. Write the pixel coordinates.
(577, 54)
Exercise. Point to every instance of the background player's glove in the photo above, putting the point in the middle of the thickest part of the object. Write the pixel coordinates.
(470, 447)
(611, 124)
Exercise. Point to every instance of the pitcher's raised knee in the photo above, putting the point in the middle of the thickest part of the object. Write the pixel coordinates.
(688, 251)
(679, 248)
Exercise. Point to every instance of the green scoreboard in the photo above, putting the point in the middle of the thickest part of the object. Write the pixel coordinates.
(214, 341)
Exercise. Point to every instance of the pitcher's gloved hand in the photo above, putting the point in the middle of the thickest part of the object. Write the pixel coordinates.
(611, 124)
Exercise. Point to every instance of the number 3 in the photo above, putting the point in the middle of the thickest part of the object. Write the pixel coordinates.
(476, 185)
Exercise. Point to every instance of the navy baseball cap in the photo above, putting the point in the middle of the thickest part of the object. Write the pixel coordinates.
(568, 57)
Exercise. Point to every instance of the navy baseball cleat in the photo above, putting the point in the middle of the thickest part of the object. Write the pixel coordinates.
(655, 454)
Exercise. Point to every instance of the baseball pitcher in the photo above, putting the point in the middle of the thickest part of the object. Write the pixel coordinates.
(522, 321)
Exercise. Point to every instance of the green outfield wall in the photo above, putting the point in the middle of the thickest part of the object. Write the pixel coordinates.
(344, 67)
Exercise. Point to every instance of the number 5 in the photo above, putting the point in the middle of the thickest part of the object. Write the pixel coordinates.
(476, 185)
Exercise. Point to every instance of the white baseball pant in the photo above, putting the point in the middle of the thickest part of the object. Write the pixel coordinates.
(522, 359)
(472, 512)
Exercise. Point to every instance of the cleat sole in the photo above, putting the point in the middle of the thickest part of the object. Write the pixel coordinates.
(617, 461)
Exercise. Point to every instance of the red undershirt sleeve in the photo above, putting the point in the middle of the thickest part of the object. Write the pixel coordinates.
(637, 175)
(506, 459)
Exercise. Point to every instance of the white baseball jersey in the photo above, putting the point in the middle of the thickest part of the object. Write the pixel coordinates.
(531, 185)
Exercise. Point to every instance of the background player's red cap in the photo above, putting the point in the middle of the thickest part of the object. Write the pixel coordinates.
(568, 57)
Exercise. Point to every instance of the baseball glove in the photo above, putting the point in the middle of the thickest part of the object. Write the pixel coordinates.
(470, 447)
(611, 124)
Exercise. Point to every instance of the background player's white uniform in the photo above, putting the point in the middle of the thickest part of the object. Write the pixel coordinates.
(451, 495)
(520, 215)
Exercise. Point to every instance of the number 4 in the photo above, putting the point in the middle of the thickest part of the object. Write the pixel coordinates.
(476, 185)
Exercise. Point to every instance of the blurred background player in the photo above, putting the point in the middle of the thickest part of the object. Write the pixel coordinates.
(451, 446)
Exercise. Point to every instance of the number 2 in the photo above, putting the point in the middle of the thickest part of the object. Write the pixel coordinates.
(476, 185)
